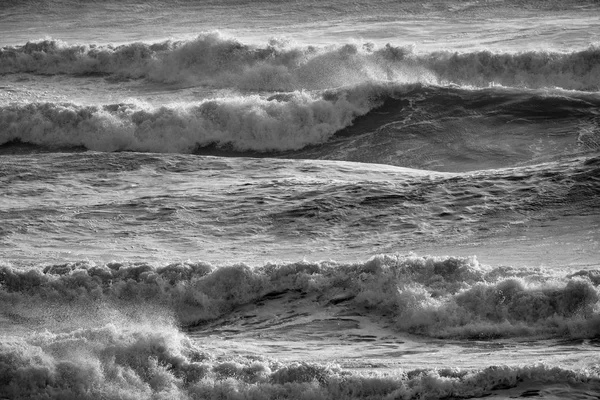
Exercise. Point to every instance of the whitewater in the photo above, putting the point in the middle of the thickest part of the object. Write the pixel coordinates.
(299, 200)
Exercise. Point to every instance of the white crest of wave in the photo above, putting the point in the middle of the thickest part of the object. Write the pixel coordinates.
(282, 122)
(215, 60)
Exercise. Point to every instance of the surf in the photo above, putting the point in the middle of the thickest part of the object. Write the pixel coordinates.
(121, 351)
(444, 297)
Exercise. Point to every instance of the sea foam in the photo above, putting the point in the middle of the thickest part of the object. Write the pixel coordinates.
(146, 361)
(432, 296)
(242, 122)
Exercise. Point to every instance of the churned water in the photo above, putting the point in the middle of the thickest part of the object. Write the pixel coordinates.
(299, 200)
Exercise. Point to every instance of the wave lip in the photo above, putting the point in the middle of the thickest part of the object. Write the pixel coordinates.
(217, 61)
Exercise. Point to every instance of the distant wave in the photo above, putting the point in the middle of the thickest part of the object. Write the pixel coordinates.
(433, 296)
(217, 61)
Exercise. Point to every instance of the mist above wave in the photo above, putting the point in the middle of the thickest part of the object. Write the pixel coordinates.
(217, 61)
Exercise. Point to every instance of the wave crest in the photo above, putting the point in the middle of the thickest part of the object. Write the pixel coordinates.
(246, 123)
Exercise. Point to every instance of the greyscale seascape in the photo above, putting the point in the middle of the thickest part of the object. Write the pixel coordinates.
(299, 200)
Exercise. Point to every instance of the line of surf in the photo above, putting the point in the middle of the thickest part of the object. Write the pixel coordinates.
(287, 121)
(218, 61)
(446, 297)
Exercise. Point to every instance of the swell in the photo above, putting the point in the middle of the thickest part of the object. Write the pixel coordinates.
(456, 129)
(446, 297)
(291, 208)
(222, 62)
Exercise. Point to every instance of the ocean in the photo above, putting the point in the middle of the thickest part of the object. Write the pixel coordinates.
(266, 199)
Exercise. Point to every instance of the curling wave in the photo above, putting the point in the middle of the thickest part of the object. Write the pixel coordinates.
(370, 122)
(281, 122)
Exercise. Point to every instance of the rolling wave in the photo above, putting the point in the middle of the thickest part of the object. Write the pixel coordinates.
(457, 129)
(410, 125)
(217, 61)
(283, 122)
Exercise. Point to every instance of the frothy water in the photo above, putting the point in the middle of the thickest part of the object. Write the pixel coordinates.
(252, 200)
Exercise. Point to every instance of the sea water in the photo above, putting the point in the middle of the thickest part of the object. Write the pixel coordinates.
(303, 199)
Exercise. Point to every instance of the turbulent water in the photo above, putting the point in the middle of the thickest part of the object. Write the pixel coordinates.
(299, 200)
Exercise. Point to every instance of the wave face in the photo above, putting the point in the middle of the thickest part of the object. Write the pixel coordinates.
(217, 61)
(459, 129)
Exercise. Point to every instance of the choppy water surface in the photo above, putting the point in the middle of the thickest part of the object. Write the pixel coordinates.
(332, 200)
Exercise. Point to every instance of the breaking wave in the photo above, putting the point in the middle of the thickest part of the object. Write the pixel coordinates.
(129, 346)
(282, 122)
(445, 297)
(148, 362)
(490, 124)
(217, 61)
(144, 362)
